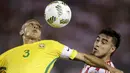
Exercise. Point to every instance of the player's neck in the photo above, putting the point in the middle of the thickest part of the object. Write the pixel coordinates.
(27, 40)
(106, 58)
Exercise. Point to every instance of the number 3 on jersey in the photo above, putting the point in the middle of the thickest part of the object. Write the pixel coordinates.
(26, 53)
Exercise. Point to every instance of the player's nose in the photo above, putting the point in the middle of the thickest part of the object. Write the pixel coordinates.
(98, 44)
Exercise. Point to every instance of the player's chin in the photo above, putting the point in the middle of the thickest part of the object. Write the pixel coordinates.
(97, 54)
(35, 37)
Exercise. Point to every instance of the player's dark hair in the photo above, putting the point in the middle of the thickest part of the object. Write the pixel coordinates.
(116, 36)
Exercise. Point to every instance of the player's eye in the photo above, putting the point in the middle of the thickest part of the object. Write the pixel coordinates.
(104, 42)
(31, 24)
(97, 40)
(38, 26)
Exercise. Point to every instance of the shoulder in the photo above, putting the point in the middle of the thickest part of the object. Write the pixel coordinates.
(9, 51)
(48, 41)
(51, 42)
(110, 63)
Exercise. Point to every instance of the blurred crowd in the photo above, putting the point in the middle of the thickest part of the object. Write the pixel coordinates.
(88, 18)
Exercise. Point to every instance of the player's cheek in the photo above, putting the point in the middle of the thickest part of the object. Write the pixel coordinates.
(39, 32)
(102, 52)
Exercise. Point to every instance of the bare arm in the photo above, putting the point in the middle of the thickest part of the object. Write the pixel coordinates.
(91, 60)
(94, 61)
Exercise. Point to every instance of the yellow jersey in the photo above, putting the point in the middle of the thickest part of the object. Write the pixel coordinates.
(38, 57)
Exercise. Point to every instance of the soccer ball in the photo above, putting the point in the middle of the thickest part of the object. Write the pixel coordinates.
(57, 14)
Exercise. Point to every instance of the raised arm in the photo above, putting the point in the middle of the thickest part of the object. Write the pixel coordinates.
(91, 60)
(94, 61)
(68, 53)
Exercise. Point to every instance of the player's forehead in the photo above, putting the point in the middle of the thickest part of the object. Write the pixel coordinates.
(31, 22)
(104, 36)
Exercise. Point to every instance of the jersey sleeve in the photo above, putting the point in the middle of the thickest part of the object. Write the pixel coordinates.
(3, 58)
(2, 62)
(64, 51)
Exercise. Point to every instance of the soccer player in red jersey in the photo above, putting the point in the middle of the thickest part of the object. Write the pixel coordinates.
(105, 45)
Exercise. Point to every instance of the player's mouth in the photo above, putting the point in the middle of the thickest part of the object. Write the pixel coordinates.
(35, 31)
(95, 49)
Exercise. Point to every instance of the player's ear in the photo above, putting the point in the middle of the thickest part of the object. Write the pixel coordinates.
(113, 49)
(21, 32)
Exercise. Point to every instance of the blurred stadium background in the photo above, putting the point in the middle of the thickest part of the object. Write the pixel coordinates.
(89, 17)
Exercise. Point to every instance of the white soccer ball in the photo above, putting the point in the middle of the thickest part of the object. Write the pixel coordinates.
(57, 14)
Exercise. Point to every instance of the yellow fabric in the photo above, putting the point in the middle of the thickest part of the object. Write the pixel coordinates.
(38, 57)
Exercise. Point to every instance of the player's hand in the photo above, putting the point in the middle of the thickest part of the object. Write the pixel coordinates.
(114, 70)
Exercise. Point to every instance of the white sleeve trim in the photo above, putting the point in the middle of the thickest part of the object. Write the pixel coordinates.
(66, 52)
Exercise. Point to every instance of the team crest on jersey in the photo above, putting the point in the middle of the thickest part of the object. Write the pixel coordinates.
(41, 45)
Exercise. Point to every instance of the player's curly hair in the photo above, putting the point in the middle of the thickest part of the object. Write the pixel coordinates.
(112, 33)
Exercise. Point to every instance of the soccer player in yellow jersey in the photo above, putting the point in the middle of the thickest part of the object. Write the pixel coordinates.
(39, 56)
